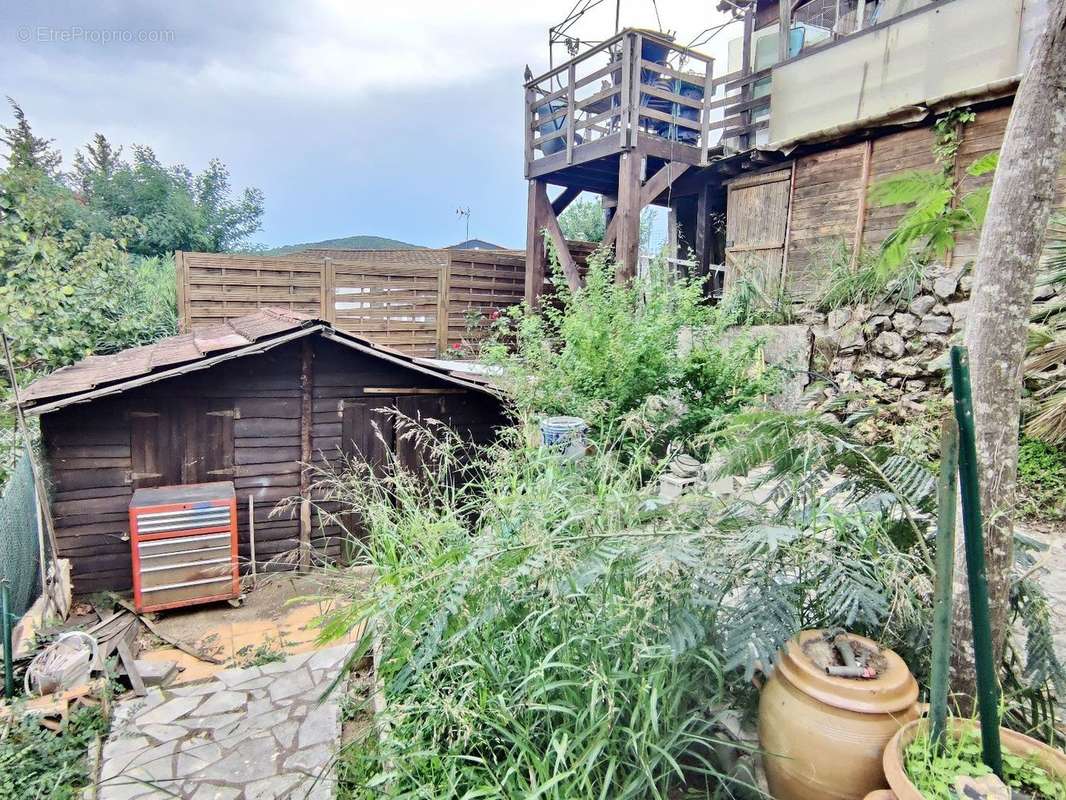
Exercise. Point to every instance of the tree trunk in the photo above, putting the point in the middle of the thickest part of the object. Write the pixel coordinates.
(1019, 208)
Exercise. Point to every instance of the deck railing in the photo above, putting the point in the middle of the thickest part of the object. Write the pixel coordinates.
(635, 83)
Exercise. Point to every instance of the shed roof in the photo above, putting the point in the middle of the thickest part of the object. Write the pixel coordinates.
(203, 347)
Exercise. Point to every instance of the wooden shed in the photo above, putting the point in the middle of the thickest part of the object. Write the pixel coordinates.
(251, 400)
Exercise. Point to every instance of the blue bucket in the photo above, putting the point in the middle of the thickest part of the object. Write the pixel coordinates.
(562, 430)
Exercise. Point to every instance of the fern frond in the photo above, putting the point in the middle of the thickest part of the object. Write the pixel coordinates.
(984, 165)
(906, 187)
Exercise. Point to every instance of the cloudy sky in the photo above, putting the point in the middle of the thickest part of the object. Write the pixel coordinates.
(358, 117)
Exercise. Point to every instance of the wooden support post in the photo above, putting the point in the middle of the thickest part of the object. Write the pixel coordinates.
(626, 220)
(705, 113)
(528, 116)
(702, 245)
(179, 279)
(785, 30)
(443, 279)
(307, 383)
(860, 218)
(634, 90)
(329, 291)
(570, 115)
(535, 256)
(625, 96)
(746, 91)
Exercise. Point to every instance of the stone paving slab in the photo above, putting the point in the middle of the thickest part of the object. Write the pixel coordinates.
(249, 734)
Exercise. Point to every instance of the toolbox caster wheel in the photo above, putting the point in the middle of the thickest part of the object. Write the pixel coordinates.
(236, 602)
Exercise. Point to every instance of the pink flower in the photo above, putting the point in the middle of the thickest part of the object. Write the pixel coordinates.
(456, 345)
(495, 314)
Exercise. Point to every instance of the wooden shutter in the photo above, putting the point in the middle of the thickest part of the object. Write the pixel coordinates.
(187, 440)
(756, 225)
(156, 461)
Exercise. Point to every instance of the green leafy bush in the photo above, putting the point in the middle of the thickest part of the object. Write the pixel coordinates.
(603, 351)
(36, 762)
(1041, 479)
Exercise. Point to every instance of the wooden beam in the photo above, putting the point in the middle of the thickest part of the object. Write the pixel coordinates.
(661, 181)
(562, 249)
(860, 217)
(626, 220)
(562, 202)
(788, 224)
(306, 419)
(535, 265)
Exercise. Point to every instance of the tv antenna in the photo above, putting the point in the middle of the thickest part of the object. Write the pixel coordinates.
(464, 212)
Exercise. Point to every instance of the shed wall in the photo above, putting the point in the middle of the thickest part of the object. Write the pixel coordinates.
(88, 449)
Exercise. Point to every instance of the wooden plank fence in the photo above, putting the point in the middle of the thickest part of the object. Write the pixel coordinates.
(418, 301)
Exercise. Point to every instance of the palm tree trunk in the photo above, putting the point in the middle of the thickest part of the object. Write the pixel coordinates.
(1007, 258)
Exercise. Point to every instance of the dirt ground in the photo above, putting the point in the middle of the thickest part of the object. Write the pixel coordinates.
(280, 614)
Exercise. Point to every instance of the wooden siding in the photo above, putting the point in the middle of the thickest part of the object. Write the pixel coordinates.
(827, 206)
(88, 449)
(825, 199)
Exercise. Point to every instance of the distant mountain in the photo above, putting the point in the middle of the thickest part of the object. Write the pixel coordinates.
(347, 243)
(474, 244)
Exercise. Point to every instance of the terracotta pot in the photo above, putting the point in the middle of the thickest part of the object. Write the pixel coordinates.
(1051, 759)
(824, 736)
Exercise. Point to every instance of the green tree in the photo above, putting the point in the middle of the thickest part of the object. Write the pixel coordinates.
(25, 150)
(100, 162)
(177, 209)
(585, 221)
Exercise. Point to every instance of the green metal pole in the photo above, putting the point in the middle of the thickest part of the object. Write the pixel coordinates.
(5, 623)
(947, 494)
(973, 539)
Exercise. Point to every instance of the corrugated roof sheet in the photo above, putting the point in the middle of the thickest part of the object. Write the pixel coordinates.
(109, 373)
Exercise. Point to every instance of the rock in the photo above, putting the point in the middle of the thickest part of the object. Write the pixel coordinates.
(850, 338)
(945, 286)
(878, 322)
(894, 381)
(939, 364)
(987, 787)
(889, 344)
(903, 369)
(871, 366)
(1043, 291)
(838, 318)
(914, 385)
(905, 324)
(843, 364)
(156, 673)
(915, 345)
(936, 324)
(966, 283)
(921, 305)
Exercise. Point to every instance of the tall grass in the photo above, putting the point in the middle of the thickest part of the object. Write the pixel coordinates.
(539, 632)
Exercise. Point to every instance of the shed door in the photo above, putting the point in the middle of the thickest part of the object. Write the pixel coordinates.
(756, 225)
(366, 432)
(182, 441)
